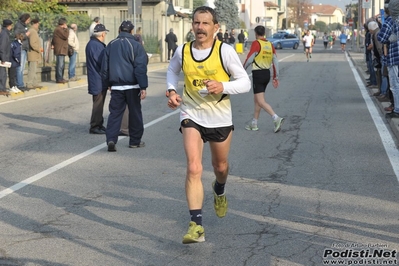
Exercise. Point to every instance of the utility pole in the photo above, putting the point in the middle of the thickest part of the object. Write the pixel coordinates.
(359, 23)
(372, 8)
(134, 14)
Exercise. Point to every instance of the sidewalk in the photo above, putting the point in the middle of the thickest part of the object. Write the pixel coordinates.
(358, 59)
(51, 86)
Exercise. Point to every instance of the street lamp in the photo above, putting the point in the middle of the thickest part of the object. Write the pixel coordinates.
(168, 10)
(164, 14)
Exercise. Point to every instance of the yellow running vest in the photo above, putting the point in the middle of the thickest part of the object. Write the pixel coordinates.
(264, 59)
(212, 110)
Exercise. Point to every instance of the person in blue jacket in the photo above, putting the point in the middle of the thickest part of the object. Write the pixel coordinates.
(15, 59)
(343, 38)
(124, 71)
(94, 55)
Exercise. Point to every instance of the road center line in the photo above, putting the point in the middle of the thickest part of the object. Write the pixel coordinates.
(385, 135)
(282, 59)
(76, 158)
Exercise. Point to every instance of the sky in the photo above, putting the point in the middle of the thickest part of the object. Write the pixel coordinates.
(339, 3)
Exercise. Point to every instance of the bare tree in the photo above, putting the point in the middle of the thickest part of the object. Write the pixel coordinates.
(299, 11)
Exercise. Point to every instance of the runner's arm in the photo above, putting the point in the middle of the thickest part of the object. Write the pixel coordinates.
(174, 68)
(275, 64)
(254, 51)
(240, 82)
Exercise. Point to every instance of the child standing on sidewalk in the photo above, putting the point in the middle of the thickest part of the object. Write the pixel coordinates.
(15, 59)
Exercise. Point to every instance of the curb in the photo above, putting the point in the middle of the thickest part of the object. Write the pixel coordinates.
(52, 86)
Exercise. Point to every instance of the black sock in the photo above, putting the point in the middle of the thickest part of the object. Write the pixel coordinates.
(196, 216)
(219, 188)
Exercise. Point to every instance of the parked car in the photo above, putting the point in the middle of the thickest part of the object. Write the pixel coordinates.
(282, 40)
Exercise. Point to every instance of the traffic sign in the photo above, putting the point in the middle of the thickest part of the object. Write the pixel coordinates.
(350, 22)
(366, 3)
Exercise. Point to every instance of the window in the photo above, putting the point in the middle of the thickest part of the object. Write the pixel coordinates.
(123, 14)
(80, 12)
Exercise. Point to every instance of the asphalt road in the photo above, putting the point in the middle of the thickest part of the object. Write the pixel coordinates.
(323, 188)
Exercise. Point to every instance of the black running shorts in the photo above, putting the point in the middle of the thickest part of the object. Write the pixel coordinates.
(260, 79)
(218, 134)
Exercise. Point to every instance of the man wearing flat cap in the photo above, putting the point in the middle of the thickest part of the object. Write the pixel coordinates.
(5, 50)
(94, 55)
(124, 70)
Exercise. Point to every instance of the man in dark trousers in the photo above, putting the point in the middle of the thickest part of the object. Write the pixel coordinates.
(124, 70)
(94, 55)
(60, 43)
(171, 40)
(241, 37)
(226, 37)
(5, 50)
(220, 35)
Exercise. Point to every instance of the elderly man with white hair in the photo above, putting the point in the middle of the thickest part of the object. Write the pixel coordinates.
(377, 53)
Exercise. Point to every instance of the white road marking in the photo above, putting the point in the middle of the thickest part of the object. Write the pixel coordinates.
(76, 158)
(42, 94)
(62, 90)
(282, 59)
(385, 135)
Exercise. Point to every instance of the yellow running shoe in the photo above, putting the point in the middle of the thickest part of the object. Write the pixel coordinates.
(195, 234)
(219, 203)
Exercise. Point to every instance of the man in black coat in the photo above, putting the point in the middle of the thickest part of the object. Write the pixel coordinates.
(5, 51)
(220, 35)
(94, 55)
(171, 40)
(241, 37)
(226, 37)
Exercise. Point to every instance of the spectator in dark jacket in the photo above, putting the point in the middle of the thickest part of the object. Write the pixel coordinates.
(15, 59)
(124, 70)
(226, 36)
(94, 55)
(60, 43)
(22, 27)
(171, 40)
(220, 35)
(241, 37)
(232, 39)
(5, 50)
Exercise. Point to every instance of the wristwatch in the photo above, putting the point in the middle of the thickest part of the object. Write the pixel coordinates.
(168, 91)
